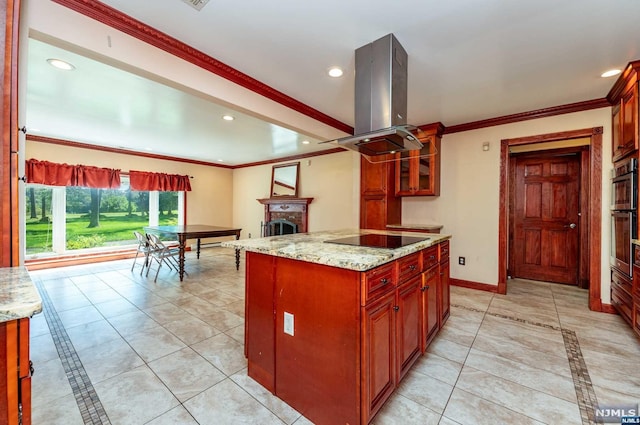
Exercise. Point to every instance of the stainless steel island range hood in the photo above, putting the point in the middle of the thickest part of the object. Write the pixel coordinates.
(381, 101)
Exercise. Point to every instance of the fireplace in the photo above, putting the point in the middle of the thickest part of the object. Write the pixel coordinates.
(293, 210)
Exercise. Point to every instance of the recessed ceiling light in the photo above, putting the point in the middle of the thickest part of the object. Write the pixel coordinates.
(228, 117)
(610, 73)
(305, 142)
(335, 72)
(221, 160)
(60, 64)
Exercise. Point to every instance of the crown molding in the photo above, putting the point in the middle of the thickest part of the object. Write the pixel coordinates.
(530, 115)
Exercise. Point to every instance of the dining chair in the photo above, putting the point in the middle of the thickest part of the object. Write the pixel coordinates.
(162, 254)
(143, 248)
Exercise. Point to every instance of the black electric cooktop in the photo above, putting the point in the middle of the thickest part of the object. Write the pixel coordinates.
(379, 241)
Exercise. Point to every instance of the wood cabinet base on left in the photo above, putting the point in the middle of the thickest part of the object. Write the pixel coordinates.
(15, 368)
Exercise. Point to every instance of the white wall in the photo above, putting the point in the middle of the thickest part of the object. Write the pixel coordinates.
(468, 204)
(333, 181)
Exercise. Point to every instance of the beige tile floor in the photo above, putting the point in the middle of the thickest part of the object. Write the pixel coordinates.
(172, 353)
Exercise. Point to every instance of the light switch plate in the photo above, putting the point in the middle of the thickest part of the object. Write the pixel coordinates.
(288, 323)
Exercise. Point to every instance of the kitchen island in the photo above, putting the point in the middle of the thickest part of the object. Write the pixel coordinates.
(332, 328)
(19, 300)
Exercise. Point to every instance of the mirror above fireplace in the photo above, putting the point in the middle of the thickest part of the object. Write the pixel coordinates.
(285, 179)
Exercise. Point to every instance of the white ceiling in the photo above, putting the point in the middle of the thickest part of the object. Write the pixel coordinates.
(468, 61)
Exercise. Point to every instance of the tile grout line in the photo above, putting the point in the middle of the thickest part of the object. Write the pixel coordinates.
(89, 404)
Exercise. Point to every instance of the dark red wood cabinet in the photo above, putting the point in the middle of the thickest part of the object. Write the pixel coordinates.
(378, 203)
(15, 368)
(635, 292)
(444, 298)
(418, 171)
(355, 334)
(624, 119)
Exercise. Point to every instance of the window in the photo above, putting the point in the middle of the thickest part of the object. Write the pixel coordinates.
(63, 219)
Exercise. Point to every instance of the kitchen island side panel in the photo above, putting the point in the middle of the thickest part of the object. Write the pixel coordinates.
(318, 367)
(259, 340)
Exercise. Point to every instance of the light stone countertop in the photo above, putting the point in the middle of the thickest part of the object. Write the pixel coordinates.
(311, 247)
(635, 241)
(19, 297)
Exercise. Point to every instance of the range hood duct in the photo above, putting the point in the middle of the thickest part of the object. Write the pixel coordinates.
(381, 100)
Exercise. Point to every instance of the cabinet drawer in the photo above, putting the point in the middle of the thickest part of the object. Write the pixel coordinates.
(429, 257)
(622, 305)
(622, 283)
(409, 266)
(444, 251)
(378, 281)
(621, 296)
(636, 255)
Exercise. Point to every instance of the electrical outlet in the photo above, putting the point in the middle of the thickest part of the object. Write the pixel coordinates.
(288, 323)
(461, 261)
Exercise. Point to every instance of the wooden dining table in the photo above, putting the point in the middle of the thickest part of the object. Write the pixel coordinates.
(194, 231)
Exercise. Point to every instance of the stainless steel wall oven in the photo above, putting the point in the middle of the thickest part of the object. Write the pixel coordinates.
(623, 214)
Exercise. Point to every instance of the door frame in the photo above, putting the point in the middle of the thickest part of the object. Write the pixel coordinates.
(592, 172)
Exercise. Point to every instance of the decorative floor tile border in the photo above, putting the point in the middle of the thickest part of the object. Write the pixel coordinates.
(587, 400)
(91, 408)
(585, 394)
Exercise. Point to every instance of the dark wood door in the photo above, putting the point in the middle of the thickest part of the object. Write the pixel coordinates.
(546, 221)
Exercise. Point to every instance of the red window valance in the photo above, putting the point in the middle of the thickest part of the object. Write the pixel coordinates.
(145, 181)
(52, 174)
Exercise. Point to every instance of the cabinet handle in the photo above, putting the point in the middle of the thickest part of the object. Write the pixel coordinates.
(424, 288)
(412, 267)
(384, 281)
(396, 308)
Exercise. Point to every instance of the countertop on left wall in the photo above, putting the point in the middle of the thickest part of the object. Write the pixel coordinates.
(19, 297)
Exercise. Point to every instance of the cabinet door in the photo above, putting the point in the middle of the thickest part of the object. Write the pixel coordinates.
(417, 173)
(378, 349)
(426, 168)
(616, 132)
(430, 313)
(408, 324)
(636, 315)
(443, 286)
(373, 177)
(404, 183)
(629, 119)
